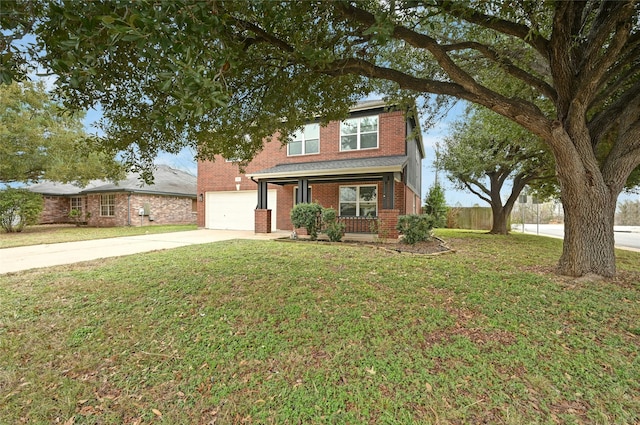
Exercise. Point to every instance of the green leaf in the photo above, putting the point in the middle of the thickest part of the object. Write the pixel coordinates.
(107, 19)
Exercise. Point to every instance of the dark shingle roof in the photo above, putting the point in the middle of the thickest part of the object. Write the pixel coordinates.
(358, 165)
(56, 189)
(167, 181)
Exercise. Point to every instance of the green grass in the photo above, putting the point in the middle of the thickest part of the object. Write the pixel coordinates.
(269, 332)
(47, 234)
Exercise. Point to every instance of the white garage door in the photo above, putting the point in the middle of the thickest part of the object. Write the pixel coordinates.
(236, 210)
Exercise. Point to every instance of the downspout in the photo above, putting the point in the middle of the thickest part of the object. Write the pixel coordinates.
(129, 209)
(254, 180)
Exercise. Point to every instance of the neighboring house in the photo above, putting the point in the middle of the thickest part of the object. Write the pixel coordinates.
(368, 167)
(171, 199)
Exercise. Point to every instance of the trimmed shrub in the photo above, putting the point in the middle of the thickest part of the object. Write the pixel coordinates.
(415, 228)
(333, 228)
(307, 216)
(19, 208)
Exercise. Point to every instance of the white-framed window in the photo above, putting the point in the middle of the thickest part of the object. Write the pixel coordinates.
(305, 141)
(359, 133)
(108, 205)
(359, 201)
(295, 195)
(77, 204)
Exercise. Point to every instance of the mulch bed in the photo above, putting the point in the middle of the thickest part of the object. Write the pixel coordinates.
(434, 246)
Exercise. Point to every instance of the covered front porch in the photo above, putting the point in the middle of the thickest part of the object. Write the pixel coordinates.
(363, 191)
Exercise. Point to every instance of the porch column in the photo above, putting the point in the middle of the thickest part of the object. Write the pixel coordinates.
(387, 191)
(388, 219)
(262, 195)
(262, 222)
(303, 192)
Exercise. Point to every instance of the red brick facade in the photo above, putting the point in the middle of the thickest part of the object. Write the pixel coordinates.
(221, 175)
(387, 223)
(263, 221)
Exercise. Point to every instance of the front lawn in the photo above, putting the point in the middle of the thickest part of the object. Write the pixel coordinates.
(52, 233)
(262, 332)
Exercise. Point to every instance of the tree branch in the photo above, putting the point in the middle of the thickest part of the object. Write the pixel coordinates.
(595, 63)
(523, 32)
(562, 58)
(610, 15)
(623, 158)
(519, 183)
(524, 113)
(475, 192)
(507, 65)
(631, 73)
(263, 35)
(604, 120)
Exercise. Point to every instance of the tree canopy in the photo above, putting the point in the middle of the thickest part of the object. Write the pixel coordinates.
(224, 76)
(486, 153)
(39, 141)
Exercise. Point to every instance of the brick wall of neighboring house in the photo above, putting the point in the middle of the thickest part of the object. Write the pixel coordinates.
(162, 209)
(56, 210)
(220, 175)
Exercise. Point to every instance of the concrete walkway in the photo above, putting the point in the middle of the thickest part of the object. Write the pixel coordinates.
(36, 256)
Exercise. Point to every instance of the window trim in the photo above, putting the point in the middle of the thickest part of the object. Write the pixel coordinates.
(80, 202)
(111, 207)
(304, 142)
(357, 198)
(359, 133)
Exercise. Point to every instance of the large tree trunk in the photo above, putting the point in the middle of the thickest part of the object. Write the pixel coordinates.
(501, 213)
(500, 220)
(589, 199)
(589, 212)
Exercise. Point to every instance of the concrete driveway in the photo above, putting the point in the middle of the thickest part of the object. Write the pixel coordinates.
(36, 256)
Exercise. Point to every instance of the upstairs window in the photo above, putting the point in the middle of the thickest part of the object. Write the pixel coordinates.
(359, 201)
(359, 133)
(305, 141)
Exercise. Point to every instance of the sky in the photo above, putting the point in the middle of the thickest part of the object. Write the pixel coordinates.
(432, 136)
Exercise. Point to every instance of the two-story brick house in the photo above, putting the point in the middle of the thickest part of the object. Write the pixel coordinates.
(367, 167)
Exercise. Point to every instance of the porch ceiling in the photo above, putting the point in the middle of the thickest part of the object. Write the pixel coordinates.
(343, 169)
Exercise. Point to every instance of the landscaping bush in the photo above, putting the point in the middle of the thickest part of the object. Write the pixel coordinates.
(415, 228)
(307, 216)
(78, 218)
(333, 228)
(19, 208)
(436, 206)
